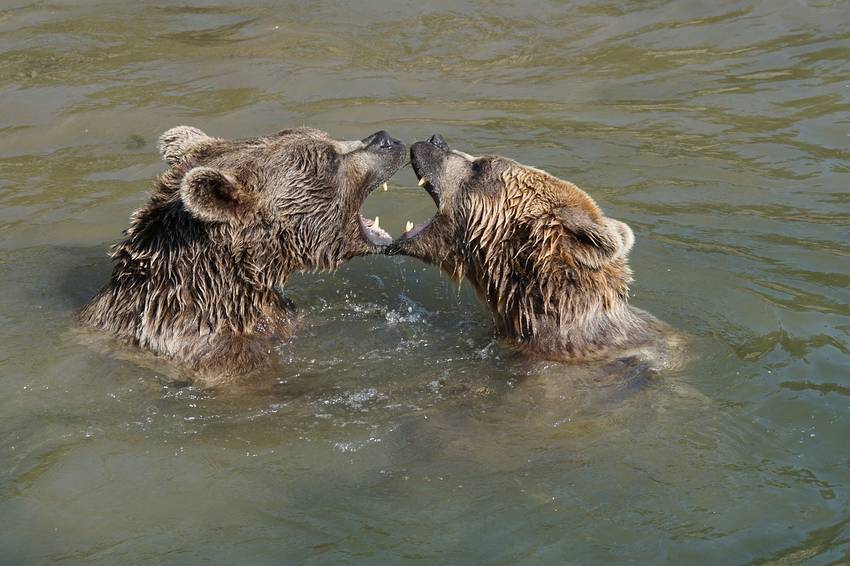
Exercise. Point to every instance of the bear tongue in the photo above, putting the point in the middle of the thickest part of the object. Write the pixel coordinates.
(373, 232)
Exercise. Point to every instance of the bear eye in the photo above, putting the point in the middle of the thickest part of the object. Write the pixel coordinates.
(478, 166)
(331, 161)
(324, 154)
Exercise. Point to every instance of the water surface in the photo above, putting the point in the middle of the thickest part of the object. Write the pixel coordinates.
(401, 430)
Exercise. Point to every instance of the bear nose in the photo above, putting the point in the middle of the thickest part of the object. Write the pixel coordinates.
(381, 140)
(438, 141)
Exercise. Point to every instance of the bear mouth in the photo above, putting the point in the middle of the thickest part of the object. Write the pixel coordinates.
(370, 228)
(413, 230)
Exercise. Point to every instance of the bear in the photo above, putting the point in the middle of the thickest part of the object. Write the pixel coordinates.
(197, 278)
(552, 268)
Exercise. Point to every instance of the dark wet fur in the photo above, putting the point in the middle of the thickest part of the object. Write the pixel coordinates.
(196, 277)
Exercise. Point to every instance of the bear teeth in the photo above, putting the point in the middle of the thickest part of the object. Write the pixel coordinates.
(423, 180)
(409, 226)
(385, 186)
(377, 222)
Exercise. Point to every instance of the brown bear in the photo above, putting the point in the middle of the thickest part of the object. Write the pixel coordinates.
(197, 277)
(552, 268)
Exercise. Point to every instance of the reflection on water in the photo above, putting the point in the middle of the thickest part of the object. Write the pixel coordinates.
(399, 429)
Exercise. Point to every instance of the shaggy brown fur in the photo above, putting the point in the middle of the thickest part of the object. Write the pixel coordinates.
(538, 250)
(196, 278)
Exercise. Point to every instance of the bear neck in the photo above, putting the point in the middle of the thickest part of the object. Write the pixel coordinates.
(175, 276)
(568, 314)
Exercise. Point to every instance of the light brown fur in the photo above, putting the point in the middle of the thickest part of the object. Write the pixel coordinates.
(552, 268)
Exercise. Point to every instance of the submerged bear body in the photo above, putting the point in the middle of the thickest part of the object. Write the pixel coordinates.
(197, 277)
(538, 250)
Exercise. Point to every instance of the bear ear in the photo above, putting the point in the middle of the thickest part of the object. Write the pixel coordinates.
(212, 195)
(627, 237)
(596, 242)
(174, 143)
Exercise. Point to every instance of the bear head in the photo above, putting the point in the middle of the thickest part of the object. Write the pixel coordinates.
(299, 190)
(532, 245)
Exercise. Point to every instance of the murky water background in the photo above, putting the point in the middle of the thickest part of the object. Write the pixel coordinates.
(401, 430)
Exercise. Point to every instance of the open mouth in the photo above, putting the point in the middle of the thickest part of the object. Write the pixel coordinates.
(412, 230)
(371, 229)
(387, 157)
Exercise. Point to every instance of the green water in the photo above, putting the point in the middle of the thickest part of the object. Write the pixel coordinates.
(401, 430)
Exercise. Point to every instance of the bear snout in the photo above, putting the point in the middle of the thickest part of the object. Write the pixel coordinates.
(437, 141)
(382, 141)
